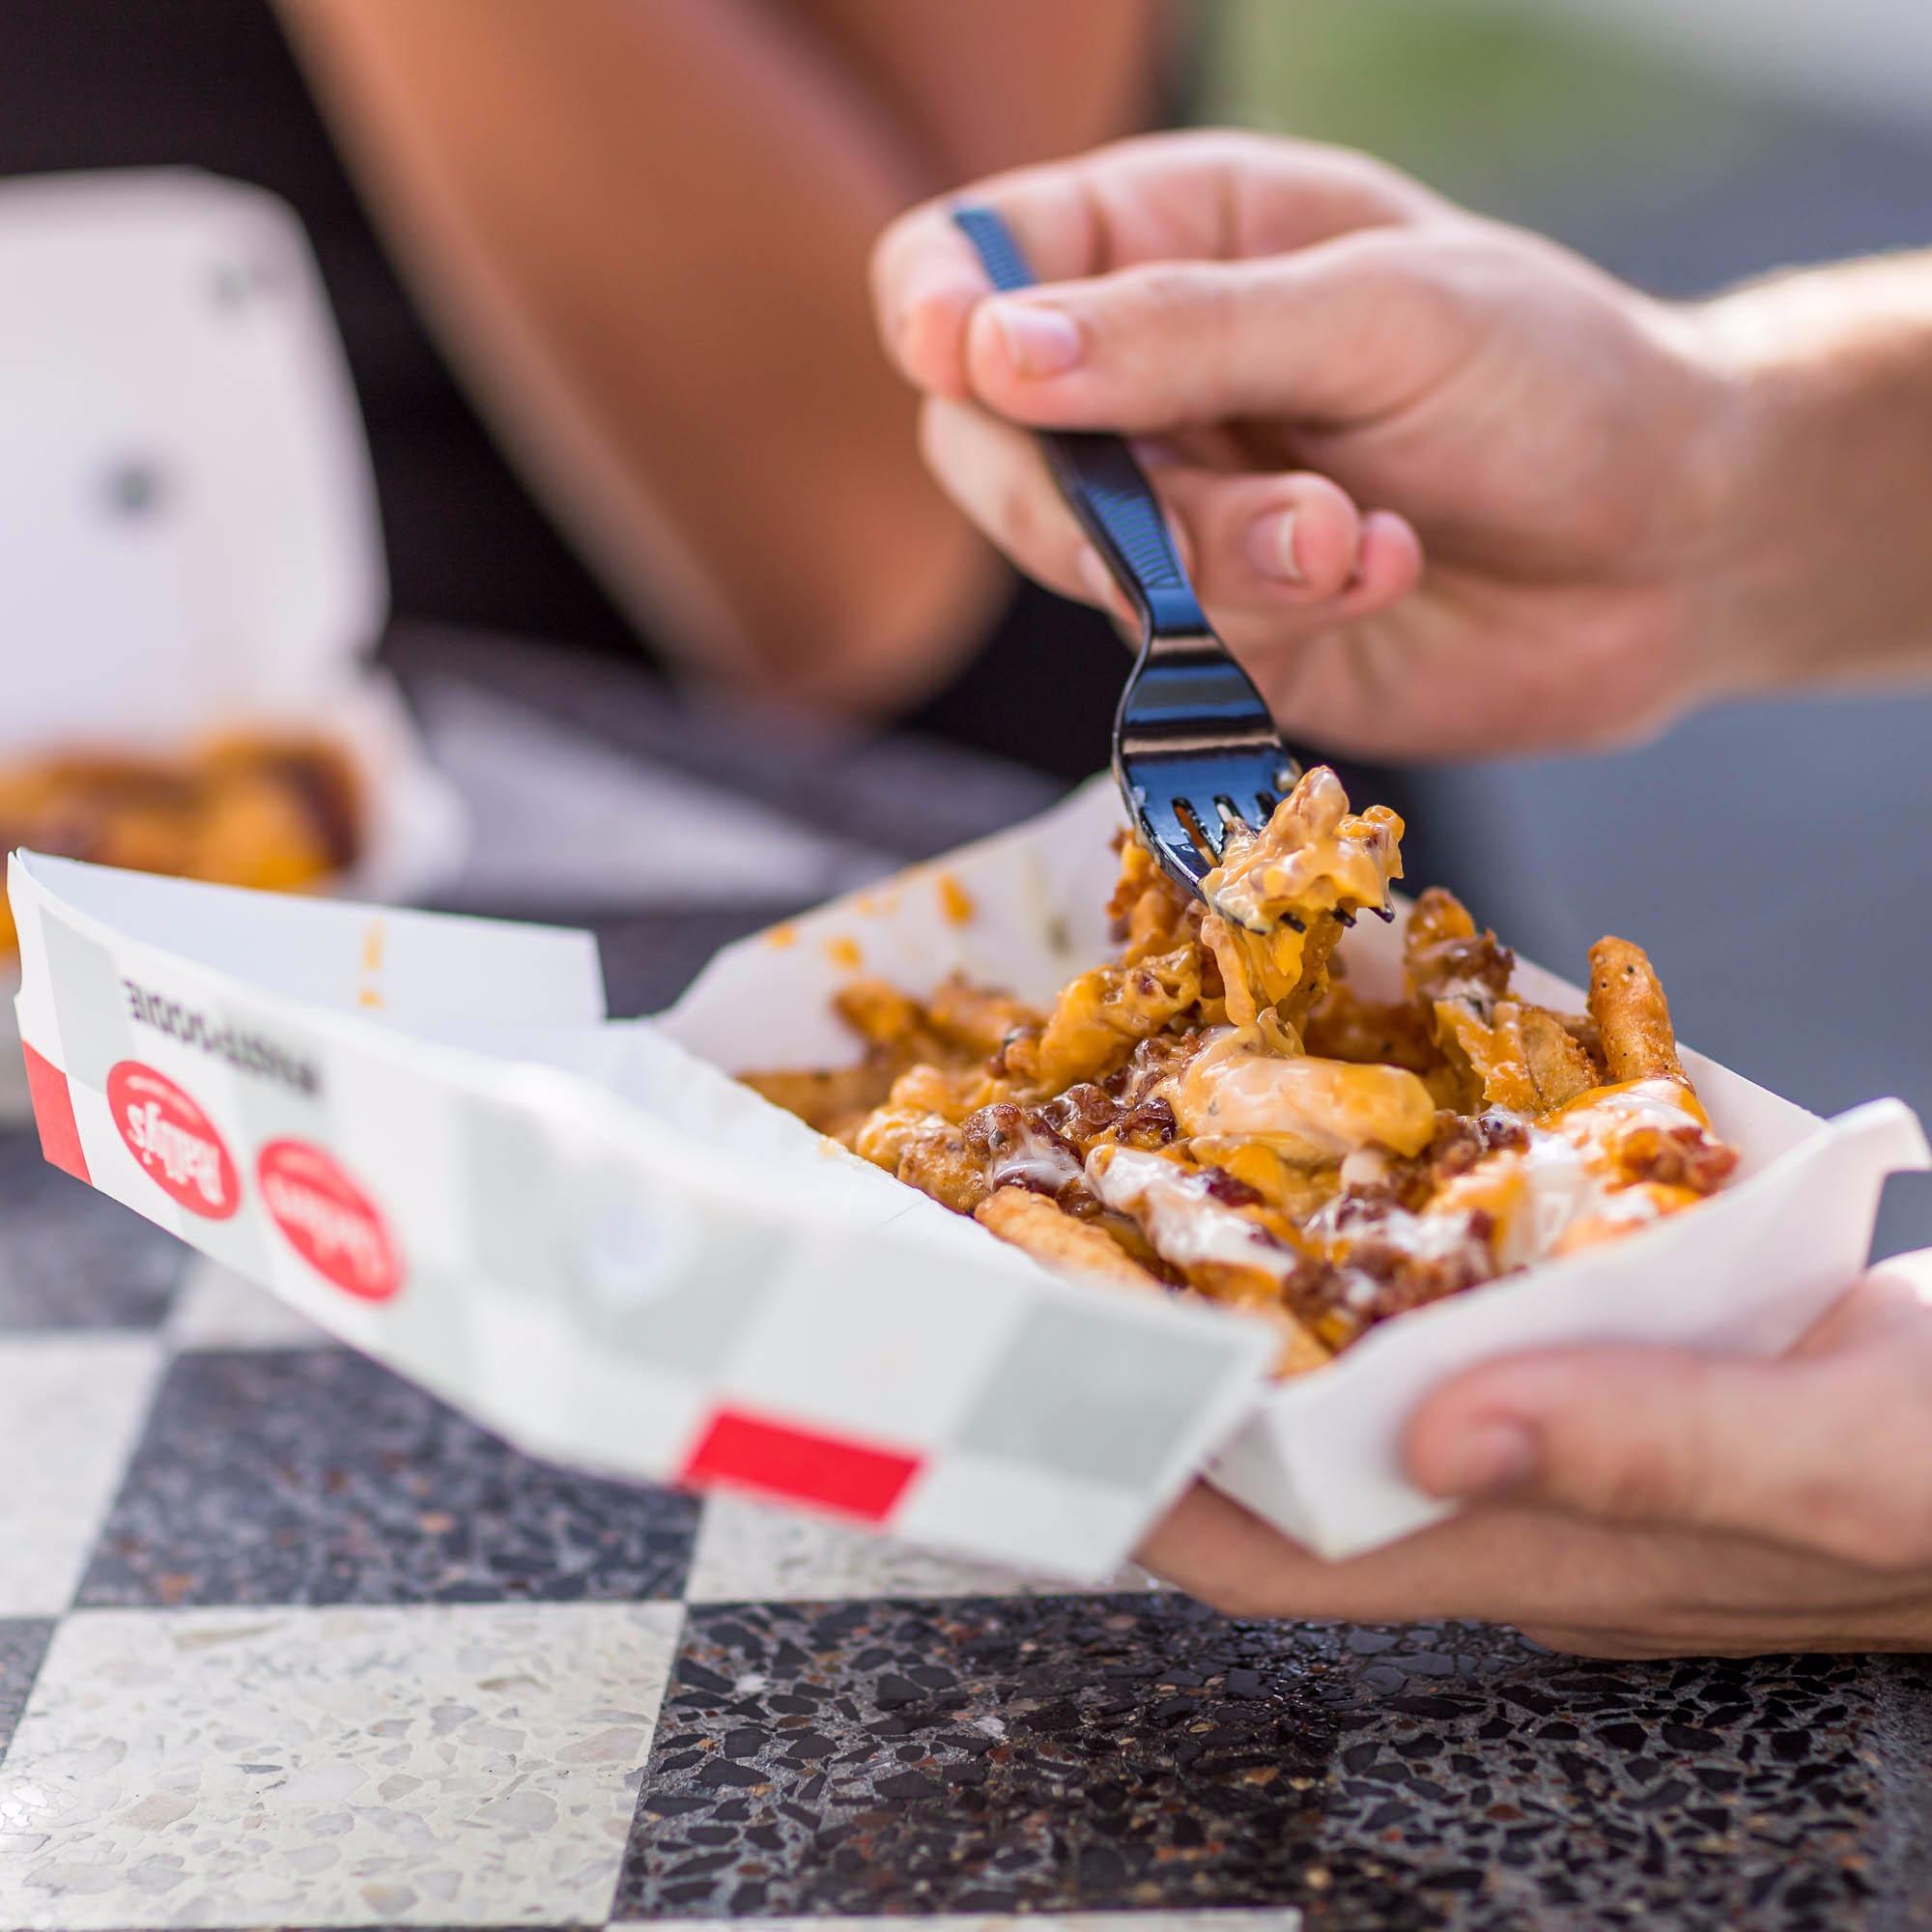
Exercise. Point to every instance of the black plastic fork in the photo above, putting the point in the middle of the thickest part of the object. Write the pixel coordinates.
(1195, 749)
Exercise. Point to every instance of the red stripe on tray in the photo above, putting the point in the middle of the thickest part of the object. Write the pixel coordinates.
(801, 1464)
(53, 1114)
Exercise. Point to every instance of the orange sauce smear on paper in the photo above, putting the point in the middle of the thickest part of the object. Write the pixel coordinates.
(956, 902)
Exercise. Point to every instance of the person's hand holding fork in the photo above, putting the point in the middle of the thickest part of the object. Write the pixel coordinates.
(1447, 489)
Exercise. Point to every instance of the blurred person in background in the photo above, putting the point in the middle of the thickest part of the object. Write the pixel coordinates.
(639, 233)
(1628, 507)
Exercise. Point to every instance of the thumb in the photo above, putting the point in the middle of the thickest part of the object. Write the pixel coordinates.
(1653, 1435)
(1342, 332)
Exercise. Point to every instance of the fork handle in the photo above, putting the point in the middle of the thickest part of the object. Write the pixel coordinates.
(1104, 485)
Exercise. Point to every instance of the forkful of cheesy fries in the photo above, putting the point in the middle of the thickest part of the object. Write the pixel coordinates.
(1216, 1111)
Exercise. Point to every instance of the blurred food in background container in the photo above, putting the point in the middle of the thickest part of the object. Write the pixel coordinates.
(192, 557)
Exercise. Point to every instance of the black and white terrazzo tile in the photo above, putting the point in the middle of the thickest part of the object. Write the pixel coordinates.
(218, 1559)
(313, 1476)
(73, 1259)
(1138, 1754)
(24, 1642)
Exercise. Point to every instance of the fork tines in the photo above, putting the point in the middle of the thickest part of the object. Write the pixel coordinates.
(1196, 753)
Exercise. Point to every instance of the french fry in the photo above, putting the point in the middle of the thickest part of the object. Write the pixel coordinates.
(1051, 1235)
(1559, 1068)
(1632, 1014)
(831, 1101)
(1446, 957)
(1394, 1033)
(976, 1021)
(1297, 1347)
(1364, 1156)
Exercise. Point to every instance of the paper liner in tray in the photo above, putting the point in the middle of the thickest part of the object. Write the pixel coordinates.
(584, 1233)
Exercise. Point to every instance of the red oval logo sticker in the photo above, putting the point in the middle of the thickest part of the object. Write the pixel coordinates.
(175, 1142)
(330, 1222)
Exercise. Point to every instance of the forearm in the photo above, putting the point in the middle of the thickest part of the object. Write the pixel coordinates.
(1826, 571)
(644, 241)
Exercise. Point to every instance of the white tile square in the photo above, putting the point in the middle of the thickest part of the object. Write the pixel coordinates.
(753, 1552)
(72, 1408)
(216, 1308)
(468, 1764)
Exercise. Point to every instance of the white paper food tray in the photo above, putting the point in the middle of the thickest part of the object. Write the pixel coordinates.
(420, 1131)
(188, 532)
(581, 1232)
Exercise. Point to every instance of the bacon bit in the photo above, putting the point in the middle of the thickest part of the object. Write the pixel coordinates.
(1679, 1157)
(1224, 1187)
(1082, 1113)
(1148, 1123)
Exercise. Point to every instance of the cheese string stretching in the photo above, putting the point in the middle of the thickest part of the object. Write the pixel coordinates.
(1215, 1110)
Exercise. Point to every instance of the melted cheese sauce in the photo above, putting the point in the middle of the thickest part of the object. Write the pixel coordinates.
(1332, 1107)
(1181, 1217)
(1313, 855)
(1564, 1190)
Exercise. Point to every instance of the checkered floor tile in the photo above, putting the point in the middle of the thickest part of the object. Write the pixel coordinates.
(284, 1641)
(313, 1476)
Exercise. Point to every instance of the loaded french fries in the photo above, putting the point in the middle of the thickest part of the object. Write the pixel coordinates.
(1216, 1110)
(275, 812)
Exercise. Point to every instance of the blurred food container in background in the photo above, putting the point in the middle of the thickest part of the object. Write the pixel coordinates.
(191, 553)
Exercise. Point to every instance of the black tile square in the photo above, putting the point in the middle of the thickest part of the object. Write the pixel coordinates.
(71, 1257)
(315, 1476)
(24, 1642)
(1129, 1752)
(977, 1755)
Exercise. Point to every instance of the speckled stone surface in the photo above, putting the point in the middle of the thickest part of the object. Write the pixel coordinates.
(469, 1765)
(755, 1550)
(72, 1407)
(312, 1476)
(216, 1308)
(1274, 1919)
(73, 1259)
(1053, 1754)
(23, 1640)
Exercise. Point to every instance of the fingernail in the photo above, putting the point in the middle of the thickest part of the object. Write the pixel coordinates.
(1489, 1458)
(1271, 547)
(1040, 341)
(928, 296)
